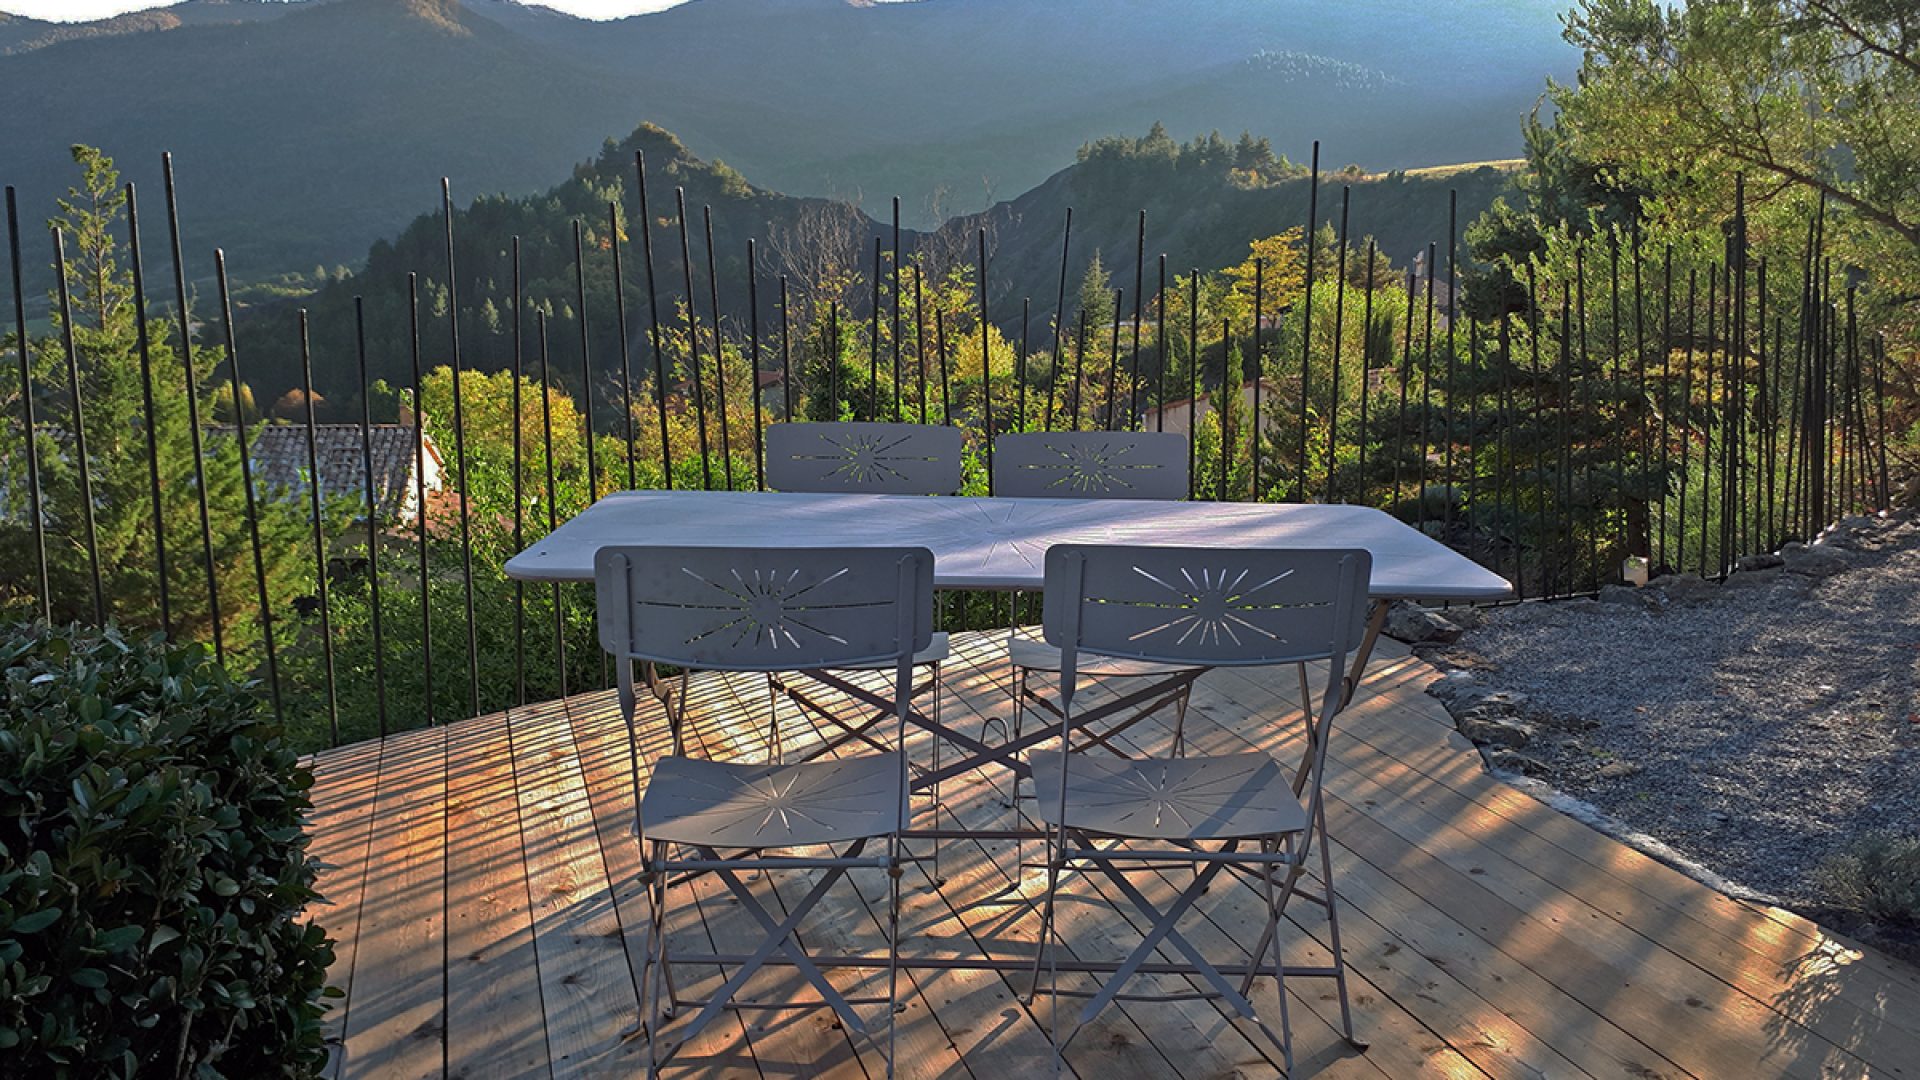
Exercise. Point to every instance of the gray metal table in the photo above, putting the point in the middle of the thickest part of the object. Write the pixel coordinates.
(997, 544)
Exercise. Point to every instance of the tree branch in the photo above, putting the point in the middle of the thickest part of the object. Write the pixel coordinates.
(1840, 22)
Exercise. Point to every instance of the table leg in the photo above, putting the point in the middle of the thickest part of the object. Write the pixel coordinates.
(1376, 619)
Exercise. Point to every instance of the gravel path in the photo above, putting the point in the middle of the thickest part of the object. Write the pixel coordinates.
(1754, 727)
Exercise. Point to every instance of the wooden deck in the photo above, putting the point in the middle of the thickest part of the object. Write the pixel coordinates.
(489, 921)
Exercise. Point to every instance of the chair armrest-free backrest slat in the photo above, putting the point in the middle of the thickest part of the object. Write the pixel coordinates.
(1205, 606)
(881, 459)
(762, 609)
(1091, 465)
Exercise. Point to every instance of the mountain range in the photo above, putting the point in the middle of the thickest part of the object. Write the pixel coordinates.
(304, 131)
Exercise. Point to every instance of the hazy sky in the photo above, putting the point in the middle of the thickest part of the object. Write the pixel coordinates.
(82, 10)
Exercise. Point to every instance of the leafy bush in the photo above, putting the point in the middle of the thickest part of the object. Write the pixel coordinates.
(152, 867)
(1879, 877)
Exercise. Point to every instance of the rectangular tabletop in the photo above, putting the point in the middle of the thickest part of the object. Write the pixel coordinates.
(990, 543)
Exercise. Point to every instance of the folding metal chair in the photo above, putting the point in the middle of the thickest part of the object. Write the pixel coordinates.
(1243, 812)
(726, 609)
(1094, 465)
(875, 458)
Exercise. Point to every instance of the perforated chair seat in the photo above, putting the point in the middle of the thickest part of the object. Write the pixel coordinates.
(1192, 798)
(1035, 655)
(729, 805)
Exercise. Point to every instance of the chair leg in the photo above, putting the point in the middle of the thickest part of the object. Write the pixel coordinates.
(893, 954)
(1333, 935)
(1180, 721)
(774, 754)
(1279, 962)
(938, 878)
(655, 974)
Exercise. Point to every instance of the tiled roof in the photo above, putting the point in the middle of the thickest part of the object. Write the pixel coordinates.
(280, 461)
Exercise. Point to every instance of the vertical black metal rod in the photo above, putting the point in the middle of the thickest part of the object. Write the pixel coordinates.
(1472, 459)
(1366, 384)
(832, 350)
(620, 321)
(1506, 489)
(719, 350)
(986, 364)
(371, 502)
(1113, 363)
(1538, 381)
(1223, 407)
(246, 483)
(546, 440)
(1079, 371)
(1565, 437)
(786, 353)
(1059, 317)
(653, 322)
(45, 595)
(873, 338)
(586, 358)
(1685, 424)
(316, 503)
(193, 411)
(517, 403)
(1706, 416)
(940, 345)
(1193, 381)
(1880, 421)
(1426, 395)
(460, 453)
(420, 491)
(1666, 389)
(693, 340)
(1259, 365)
(1306, 324)
(896, 308)
(920, 337)
(1339, 339)
(1589, 413)
(144, 346)
(1763, 489)
(1453, 349)
(77, 412)
(1020, 364)
(753, 366)
(1642, 545)
(1139, 284)
(1160, 402)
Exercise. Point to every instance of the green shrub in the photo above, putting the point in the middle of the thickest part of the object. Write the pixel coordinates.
(1879, 876)
(152, 868)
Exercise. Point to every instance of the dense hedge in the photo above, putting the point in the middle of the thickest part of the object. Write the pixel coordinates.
(152, 868)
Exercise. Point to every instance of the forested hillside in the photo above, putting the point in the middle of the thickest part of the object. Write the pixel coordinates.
(1205, 202)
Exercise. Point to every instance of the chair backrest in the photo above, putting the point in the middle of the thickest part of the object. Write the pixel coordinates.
(883, 459)
(764, 609)
(1091, 465)
(1206, 606)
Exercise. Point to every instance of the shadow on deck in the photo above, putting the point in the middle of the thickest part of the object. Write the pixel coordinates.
(485, 899)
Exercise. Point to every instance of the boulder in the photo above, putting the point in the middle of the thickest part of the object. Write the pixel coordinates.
(1494, 727)
(1816, 561)
(1514, 761)
(1765, 560)
(1416, 625)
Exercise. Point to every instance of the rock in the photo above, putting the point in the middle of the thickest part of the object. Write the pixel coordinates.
(1762, 561)
(1454, 685)
(1620, 594)
(1817, 561)
(1416, 625)
(1856, 533)
(1487, 727)
(1750, 578)
(1512, 701)
(1516, 762)
(1616, 770)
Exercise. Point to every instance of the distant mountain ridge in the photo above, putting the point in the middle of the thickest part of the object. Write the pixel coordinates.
(304, 131)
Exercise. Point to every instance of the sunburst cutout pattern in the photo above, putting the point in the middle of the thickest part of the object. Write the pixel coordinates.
(864, 458)
(1090, 468)
(1162, 795)
(769, 607)
(1217, 607)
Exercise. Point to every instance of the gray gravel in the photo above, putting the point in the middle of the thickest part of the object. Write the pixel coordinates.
(1754, 727)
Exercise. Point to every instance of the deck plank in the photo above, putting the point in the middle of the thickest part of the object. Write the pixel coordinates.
(482, 881)
(496, 1023)
(396, 1024)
